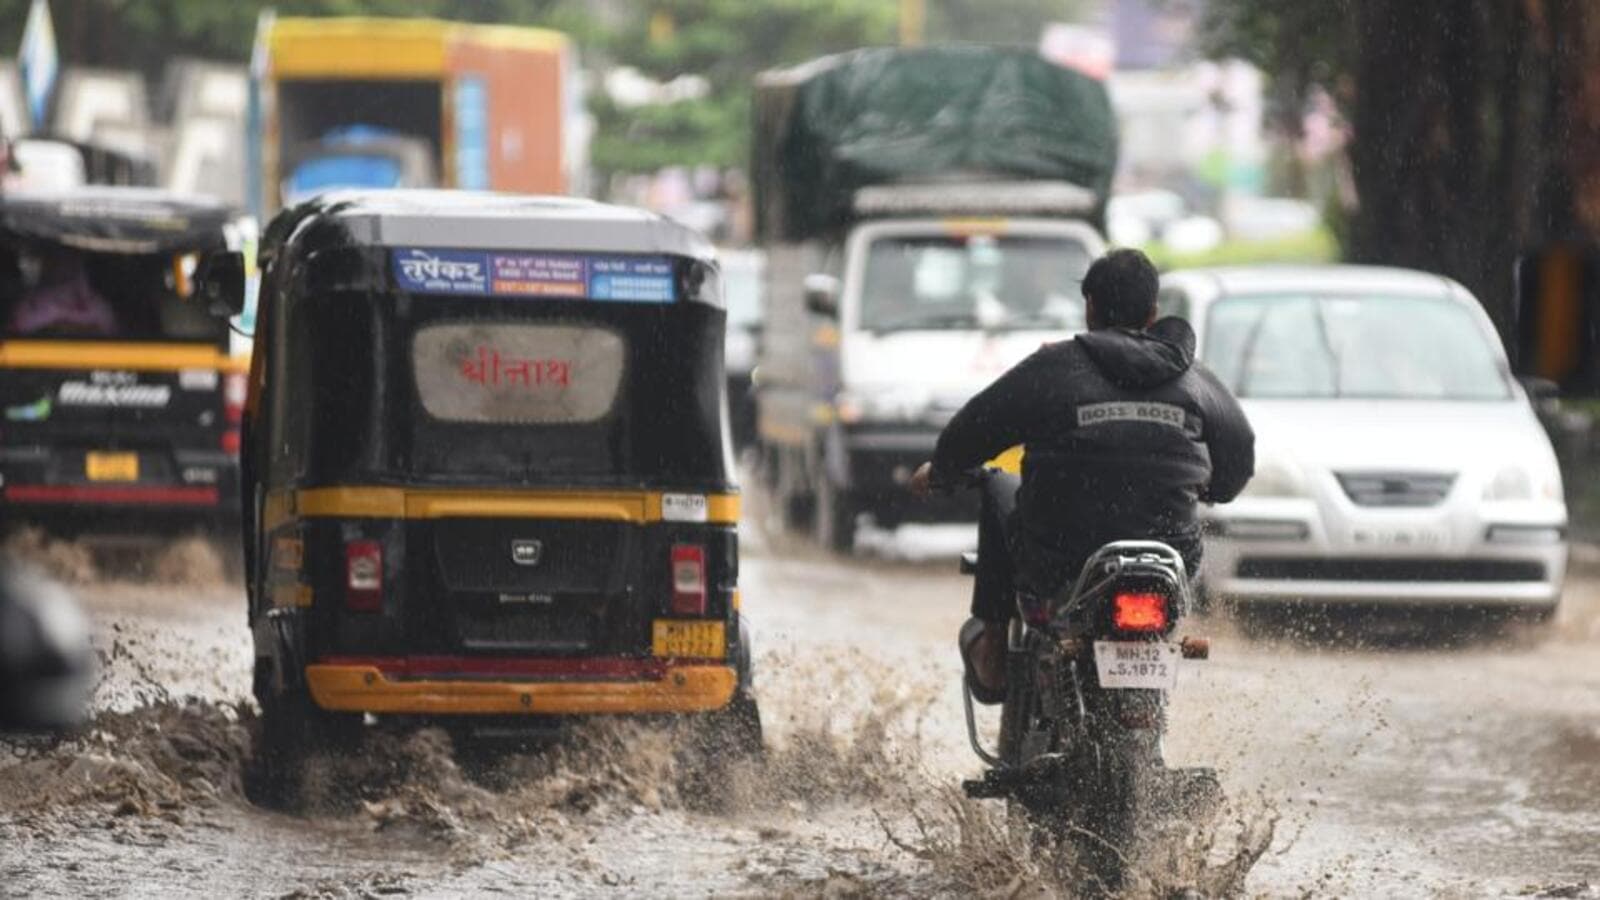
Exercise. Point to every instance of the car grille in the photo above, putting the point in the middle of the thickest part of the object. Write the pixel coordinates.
(1396, 488)
(1389, 569)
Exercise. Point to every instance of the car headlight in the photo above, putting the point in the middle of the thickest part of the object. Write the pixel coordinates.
(1518, 483)
(1276, 478)
(891, 405)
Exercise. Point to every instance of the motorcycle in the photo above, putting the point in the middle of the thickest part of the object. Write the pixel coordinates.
(1087, 677)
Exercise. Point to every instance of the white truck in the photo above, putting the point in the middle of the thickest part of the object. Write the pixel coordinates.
(919, 242)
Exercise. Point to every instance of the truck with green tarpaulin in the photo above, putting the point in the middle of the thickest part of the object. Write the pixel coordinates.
(927, 215)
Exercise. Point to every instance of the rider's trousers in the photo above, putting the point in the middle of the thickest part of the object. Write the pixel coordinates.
(995, 584)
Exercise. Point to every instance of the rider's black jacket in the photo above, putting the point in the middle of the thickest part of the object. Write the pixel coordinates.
(1124, 433)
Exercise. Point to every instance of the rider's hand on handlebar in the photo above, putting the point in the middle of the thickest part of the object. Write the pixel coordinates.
(921, 483)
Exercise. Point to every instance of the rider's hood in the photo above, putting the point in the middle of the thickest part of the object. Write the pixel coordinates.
(1141, 359)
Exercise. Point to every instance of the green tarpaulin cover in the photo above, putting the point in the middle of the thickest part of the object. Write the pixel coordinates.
(878, 116)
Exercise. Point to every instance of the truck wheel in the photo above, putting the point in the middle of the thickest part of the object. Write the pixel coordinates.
(835, 517)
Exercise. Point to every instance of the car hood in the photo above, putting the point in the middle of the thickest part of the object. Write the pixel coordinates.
(1399, 434)
(947, 365)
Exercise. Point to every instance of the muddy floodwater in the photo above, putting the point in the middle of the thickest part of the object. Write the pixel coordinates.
(1362, 762)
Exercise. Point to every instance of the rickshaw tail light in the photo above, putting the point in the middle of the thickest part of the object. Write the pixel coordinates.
(229, 441)
(363, 571)
(1139, 611)
(688, 579)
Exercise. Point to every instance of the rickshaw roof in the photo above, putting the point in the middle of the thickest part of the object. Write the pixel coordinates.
(115, 219)
(474, 220)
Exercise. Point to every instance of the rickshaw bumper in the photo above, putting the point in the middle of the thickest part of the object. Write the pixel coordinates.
(365, 688)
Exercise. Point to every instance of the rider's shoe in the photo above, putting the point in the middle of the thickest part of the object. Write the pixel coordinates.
(983, 654)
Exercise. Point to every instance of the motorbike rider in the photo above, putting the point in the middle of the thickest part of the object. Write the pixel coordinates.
(1124, 434)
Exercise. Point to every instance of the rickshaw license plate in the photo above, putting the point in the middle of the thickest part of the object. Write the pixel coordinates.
(1141, 665)
(678, 639)
(111, 466)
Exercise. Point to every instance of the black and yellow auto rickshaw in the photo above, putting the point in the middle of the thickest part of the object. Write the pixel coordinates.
(487, 468)
(120, 395)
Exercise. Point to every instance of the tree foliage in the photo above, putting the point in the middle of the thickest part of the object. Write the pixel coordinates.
(145, 34)
(1467, 120)
(725, 41)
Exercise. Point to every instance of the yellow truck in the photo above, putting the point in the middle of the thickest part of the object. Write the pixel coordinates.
(374, 102)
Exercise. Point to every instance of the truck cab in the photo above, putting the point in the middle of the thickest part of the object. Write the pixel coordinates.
(903, 321)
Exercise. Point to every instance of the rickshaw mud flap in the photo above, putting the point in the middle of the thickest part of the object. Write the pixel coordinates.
(635, 506)
(366, 688)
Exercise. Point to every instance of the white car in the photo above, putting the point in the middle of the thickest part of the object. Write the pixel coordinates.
(1398, 460)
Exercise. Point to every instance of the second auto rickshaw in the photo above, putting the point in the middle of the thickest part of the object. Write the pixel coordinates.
(120, 396)
(486, 469)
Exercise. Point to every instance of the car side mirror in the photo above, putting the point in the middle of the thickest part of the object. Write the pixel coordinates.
(1539, 389)
(219, 280)
(822, 294)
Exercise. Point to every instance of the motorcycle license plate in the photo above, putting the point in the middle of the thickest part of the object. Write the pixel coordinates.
(1140, 665)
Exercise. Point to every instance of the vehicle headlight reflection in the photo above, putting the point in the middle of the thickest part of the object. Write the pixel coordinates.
(1514, 483)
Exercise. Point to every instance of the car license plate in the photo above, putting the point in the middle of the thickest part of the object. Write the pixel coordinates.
(1406, 537)
(111, 466)
(1144, 665)
(679, 639)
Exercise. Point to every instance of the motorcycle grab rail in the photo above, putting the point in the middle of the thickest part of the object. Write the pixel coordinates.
(1115, 559)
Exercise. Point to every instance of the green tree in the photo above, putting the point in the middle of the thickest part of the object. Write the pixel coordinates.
(727, 42)
(1463, 149)
(146, 34)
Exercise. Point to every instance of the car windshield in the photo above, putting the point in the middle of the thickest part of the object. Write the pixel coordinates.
(997, 282)
(1324, 346)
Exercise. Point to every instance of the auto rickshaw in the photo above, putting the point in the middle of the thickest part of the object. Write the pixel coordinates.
(121, 396)
(486, 469)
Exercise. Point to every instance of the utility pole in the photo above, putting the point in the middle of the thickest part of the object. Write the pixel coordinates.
(913, 22)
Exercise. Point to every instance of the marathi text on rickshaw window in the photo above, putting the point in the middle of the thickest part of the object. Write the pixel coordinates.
(513, 373)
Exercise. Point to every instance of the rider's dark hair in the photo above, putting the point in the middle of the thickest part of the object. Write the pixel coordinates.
(1122, 285)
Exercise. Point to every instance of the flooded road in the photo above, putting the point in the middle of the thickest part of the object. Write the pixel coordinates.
(1410, 769)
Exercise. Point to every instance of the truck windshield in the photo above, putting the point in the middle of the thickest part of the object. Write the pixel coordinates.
(994, 282)
(52, 291)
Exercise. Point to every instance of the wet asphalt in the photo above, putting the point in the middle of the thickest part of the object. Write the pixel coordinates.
(1424, 759)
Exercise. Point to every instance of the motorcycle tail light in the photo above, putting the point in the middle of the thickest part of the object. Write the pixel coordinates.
(688, 579)
(363, 572)
(1139, 612)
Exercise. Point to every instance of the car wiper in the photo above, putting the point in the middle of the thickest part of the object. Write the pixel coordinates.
(943, 320)
(1052, 323)
(1333, 355)
(1248, 350)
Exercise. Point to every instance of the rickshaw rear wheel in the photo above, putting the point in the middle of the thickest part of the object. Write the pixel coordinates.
(293, 729)
(718, 743)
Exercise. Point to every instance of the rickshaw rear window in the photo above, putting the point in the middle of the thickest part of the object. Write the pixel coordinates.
(50, 291)
(504, 373)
